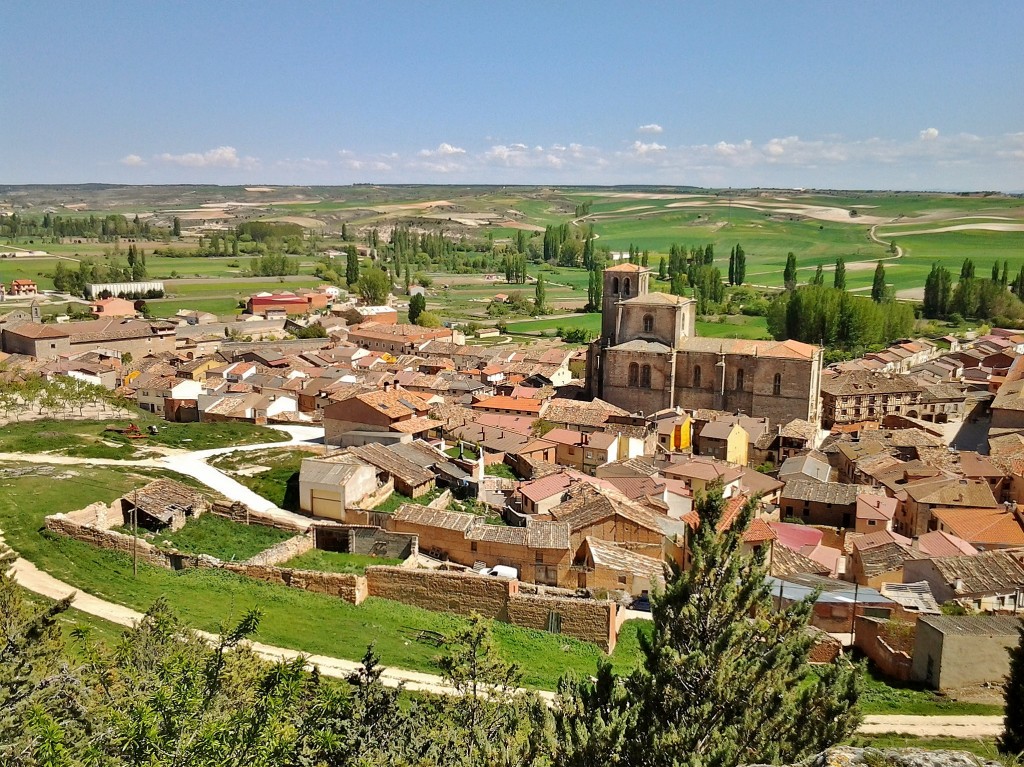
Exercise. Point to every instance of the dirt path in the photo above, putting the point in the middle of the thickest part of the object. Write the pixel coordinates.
(30, 577)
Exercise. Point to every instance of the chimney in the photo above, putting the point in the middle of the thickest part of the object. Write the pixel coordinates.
(958, 585)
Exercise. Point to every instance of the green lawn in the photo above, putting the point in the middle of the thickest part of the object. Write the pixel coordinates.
(280, 484)
(337, 562)
(88, 438)
(883, 697)
(222, 538)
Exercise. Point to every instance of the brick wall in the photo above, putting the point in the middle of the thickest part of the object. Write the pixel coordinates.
(283, 551)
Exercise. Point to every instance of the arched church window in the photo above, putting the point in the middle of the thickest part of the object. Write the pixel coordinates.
(777, 385)
(615, 286)
(739, 379)
(648, 323)
(696, 377)
(634, 374)
(625, 287)
(645, 377)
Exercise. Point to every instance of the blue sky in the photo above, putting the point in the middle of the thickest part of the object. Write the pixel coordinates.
(907, 95)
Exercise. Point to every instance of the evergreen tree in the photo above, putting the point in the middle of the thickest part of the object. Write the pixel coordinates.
(351, 265)
(176, 227)
(878, 284)
(1018, 284)
(732, 266)
(539, 296)
(1011, 742)
(408, 279)
(678, 284)
(662, 269)
(741, 265)
(1004, 278)
(789, 273)
(967, 270)
(645, 258)
(725, 678)
(819, 276)
(839, 278)
(995, 271)
(937, 292)
(417, 305)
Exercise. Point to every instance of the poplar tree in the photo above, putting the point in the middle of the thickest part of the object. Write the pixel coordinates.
(351, 265)
(732, 266)
(417, 305)
(725, 678)
(1004, 278)
(1011, 742)
(662, 269)
(819, 276)
(839, 278)
(741, 265)
(789, 273)
(539, 297)
(878, 284)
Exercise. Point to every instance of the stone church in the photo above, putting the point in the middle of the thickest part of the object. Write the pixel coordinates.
(649, 358)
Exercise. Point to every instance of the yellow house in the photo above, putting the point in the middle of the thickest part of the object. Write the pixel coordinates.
(674, 434)
(724, 441)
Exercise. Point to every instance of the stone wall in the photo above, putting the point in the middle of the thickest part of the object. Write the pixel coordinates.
(239, 512)
(169, 559)
(442, 502)
(283, 551)
(585, 619)
(874, 640)
(351, 588)
(460, 593)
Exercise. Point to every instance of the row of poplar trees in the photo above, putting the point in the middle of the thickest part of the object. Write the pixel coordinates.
(723, 680)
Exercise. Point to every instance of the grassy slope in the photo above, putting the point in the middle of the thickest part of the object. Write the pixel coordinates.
(228, 541)
(210, 599)
(87, 438)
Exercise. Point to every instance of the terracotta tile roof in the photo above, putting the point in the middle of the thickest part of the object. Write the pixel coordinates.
(415, 514)
(627, 268)
(991, 526)
(867, 383)
(519, 404)
(777, 349)
(588, 505)
(613, 557)
(941, 544)
(984, 573)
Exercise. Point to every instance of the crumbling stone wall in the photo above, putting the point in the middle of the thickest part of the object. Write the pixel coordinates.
(351, 588)
(169, 559)
(460, 593)
(239, 512)
(586, 619)
(283, 551)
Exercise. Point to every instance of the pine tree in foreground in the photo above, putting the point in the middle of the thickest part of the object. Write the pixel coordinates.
(1012, 740)
(725, 678)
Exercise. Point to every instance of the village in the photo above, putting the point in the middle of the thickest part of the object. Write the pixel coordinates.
(551, 486)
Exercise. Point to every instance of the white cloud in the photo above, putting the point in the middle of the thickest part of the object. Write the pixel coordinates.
(650, 128)
(829, 161)
(444, 149)
(132, 161)
(221, 157)
(641, 149)
(929, 134)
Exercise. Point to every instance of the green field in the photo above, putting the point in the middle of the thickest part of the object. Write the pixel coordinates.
(736, 326)
(279, 484)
